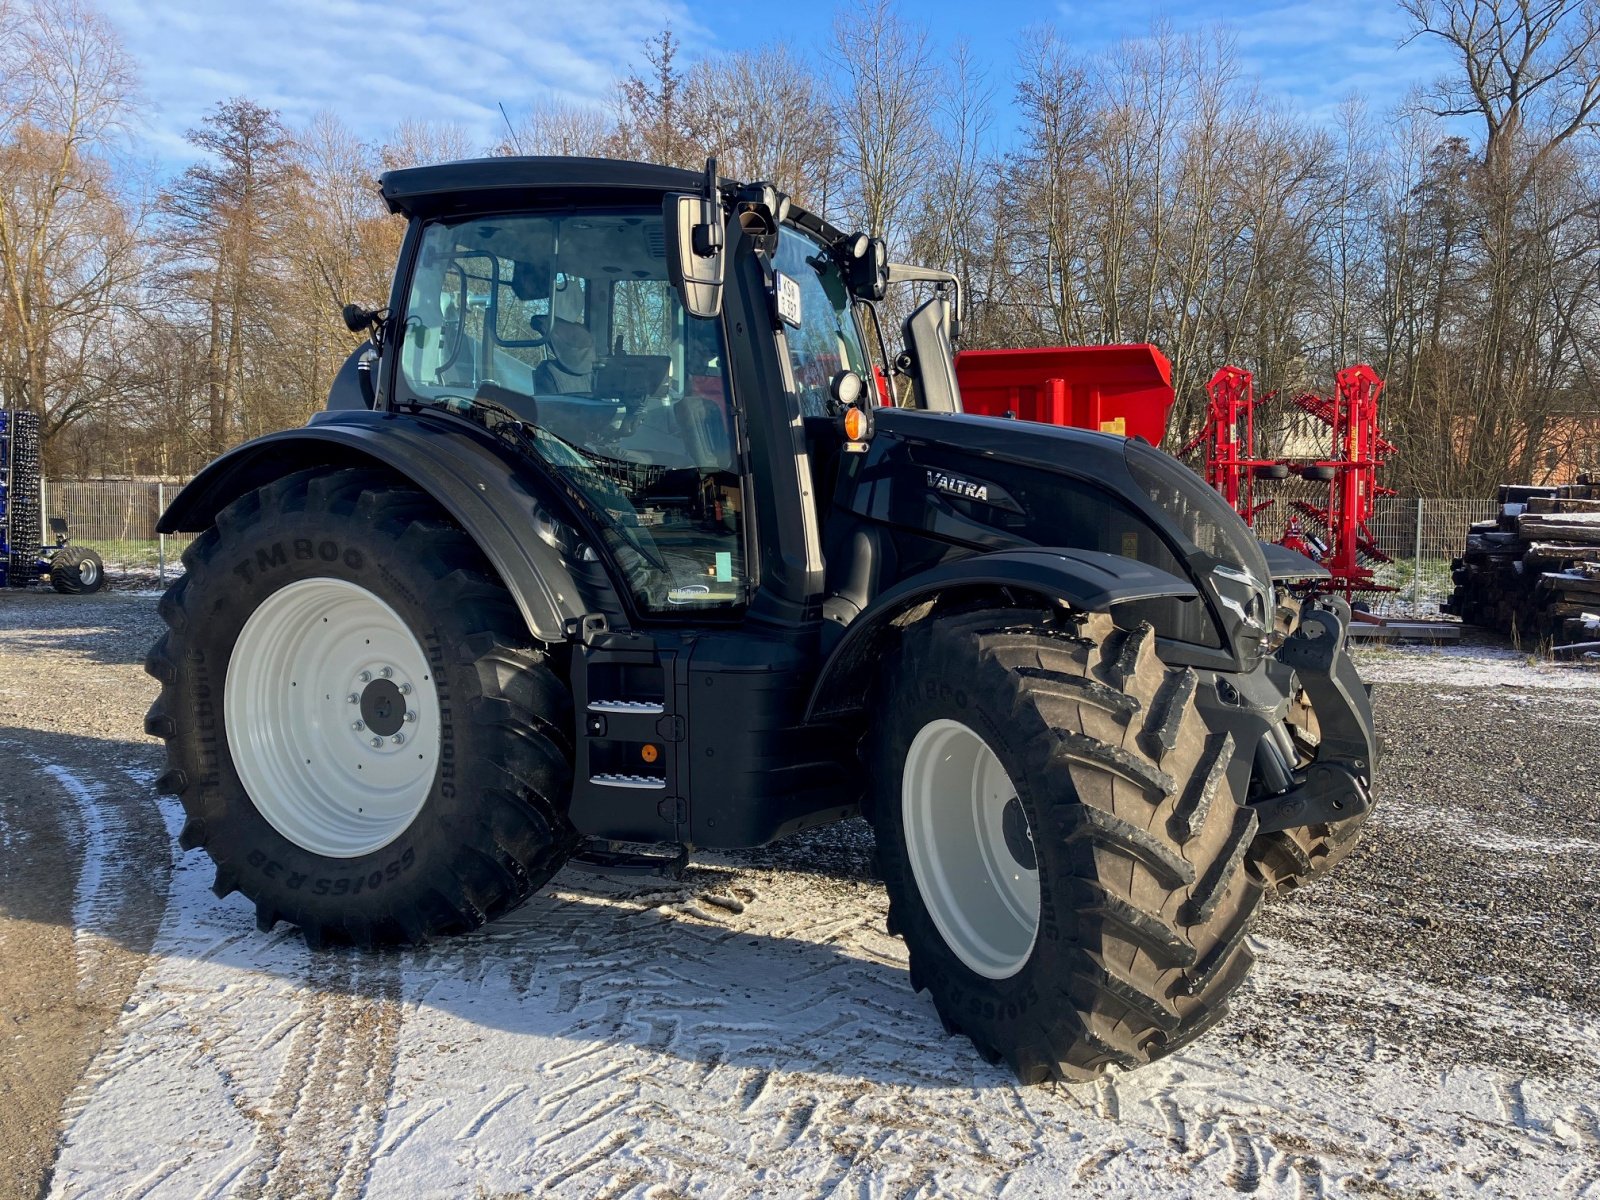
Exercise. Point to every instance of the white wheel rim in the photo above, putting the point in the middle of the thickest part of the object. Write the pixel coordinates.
(964, 848)
(88, 572)
(313, 665)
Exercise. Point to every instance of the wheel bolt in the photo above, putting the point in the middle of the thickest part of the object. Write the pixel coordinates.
(365, 677)
(399, 739)
(358, 726)
(411, 714)
(377, 743)
(405, 689)
(387, 672)
(353, 698)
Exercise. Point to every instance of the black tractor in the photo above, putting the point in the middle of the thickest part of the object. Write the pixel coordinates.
(610, 546)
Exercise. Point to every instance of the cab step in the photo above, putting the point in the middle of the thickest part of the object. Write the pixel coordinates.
(629, 781)
(603, 856)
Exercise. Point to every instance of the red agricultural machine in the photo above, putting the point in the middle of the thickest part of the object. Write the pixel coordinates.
(1128, 390)
(1345, 454)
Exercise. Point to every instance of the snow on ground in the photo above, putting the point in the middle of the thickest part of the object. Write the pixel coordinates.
(1475, 663)
(748, 1032)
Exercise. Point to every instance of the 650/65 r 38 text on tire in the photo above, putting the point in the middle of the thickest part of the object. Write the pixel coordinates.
(1063, 852)
(362, 737)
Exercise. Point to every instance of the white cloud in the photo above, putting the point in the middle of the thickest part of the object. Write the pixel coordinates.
(378, 63)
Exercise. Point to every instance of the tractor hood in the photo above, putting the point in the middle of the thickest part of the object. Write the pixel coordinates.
(991, 484)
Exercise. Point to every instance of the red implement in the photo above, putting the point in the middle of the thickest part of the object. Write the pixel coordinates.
(1115, 389)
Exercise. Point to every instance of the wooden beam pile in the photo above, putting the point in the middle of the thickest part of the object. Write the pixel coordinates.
(1534, 571)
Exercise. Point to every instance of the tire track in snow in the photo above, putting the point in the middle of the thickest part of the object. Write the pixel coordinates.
(319, 1131)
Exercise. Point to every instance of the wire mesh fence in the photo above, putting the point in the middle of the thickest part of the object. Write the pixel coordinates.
(1420, 537)
(118, 518)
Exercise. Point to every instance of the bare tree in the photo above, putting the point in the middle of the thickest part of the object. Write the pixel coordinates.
(416, 143)
(228, 214)
(884, 99)
(760, 113)
(69, 250)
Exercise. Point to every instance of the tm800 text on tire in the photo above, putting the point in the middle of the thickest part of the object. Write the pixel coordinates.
(1063, 851)
(362, 738)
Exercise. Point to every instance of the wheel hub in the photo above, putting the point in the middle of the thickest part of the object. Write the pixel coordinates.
(1019, 838)
(383, 708)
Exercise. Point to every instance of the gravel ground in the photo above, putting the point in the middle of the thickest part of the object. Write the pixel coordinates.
(1425, 1022)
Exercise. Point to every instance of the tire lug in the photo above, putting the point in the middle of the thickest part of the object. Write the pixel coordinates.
(358, 726)
(365, 677)
(387, 672)
(353, 698)
(377, 743)
(399, 739)
(411, 714)
(405, 689)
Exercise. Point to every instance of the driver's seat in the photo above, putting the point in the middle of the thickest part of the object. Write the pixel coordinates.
(570, 367)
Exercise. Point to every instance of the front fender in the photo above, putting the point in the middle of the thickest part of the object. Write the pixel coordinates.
(478, 483)
(1083, 580)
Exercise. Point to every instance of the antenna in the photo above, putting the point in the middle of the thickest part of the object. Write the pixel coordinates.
(515, 143)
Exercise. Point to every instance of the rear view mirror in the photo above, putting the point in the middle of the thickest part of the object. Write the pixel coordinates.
(694, 246)
(929, 358)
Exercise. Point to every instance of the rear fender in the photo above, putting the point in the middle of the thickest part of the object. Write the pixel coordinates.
(488, 493)
(1083, 580)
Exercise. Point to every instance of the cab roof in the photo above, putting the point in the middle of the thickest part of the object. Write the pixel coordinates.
(477, 183)
(489, 184)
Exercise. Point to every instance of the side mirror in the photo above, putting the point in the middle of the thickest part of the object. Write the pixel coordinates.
(358, 319)
(695, 246)
(929, 357)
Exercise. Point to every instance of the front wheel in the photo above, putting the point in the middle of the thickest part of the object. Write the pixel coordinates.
(1063, 851)
(361, 736)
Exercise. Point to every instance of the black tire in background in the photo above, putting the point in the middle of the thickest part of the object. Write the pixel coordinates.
(493, 827)
(1144, 898)
(77, 571)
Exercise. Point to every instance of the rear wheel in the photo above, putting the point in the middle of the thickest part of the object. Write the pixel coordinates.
(77, 571)
(1061, 845)
(361, 736)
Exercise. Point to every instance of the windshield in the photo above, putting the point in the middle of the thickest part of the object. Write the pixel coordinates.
(827, 339)
(569, 325)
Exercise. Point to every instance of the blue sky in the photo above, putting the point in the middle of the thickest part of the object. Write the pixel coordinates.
(375, 63)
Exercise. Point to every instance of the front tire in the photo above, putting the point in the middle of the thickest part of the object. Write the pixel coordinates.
(1062, 848)
(362, 738)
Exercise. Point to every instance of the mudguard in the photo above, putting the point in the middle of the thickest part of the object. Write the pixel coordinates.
(1085, 580)
(476, 481)
(1285, 563)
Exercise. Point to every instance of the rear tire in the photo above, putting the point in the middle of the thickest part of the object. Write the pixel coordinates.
(1121, 798)
(77, 571)
(476, 822)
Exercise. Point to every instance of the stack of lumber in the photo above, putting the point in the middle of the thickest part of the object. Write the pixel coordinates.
(1534, 571)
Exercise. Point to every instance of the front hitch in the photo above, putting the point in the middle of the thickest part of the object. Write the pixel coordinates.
(1338, 784)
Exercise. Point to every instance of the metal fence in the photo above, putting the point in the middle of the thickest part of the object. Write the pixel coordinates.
(118, 518)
